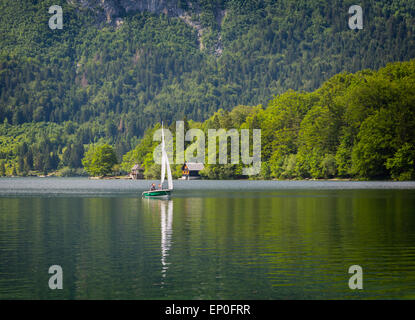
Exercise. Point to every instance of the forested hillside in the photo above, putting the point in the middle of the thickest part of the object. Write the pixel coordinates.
(114, 70)
(358, 125)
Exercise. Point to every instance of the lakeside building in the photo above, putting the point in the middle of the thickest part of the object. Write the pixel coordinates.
(190, 170)
(137, 172)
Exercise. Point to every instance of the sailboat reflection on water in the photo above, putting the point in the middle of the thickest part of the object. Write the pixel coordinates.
(166, 225)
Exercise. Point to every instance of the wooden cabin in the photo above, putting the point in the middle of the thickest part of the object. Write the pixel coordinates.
(190, 170)
(137, 172)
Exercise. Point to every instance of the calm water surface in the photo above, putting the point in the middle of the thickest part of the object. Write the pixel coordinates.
(212, 240)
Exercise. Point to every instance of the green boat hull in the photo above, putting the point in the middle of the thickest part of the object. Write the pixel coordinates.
(157, 194)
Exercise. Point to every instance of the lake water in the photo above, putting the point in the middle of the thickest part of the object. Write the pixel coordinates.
(212, 240)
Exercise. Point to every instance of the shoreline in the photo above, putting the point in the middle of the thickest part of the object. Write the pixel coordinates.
(124, 177)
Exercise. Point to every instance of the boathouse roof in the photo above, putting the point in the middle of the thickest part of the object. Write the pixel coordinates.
(193, 166)
(137, 167)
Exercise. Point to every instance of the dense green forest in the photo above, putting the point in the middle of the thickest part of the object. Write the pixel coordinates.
(358, 125)
(95, 82)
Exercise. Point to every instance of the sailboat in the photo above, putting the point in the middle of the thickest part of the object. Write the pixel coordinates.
(165, 166)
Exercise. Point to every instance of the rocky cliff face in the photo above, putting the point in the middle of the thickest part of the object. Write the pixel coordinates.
(112, 12)
(113, 9)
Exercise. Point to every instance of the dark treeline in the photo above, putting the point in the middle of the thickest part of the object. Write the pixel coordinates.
(152, 67)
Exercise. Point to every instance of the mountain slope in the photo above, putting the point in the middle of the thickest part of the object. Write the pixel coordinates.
(118, 67)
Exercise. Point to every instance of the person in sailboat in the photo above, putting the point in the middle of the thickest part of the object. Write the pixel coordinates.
(153, 187)
(160, 187)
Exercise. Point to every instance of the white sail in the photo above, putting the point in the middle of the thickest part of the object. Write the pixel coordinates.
(165, 163)
(169, 177)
